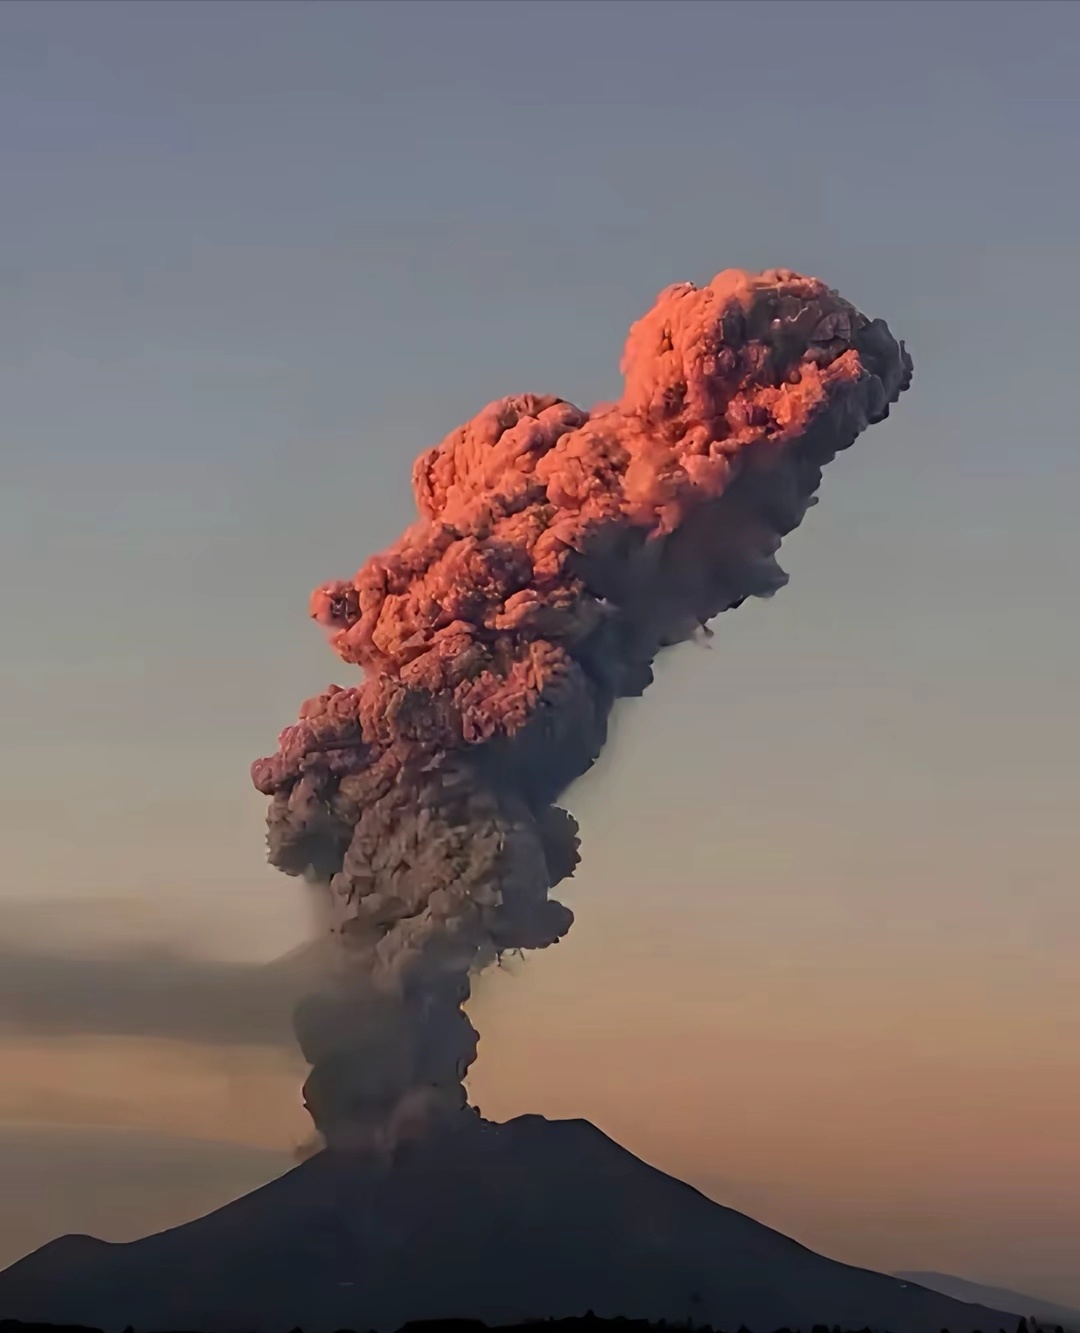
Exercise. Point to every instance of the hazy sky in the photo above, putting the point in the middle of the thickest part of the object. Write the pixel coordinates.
(254, 257)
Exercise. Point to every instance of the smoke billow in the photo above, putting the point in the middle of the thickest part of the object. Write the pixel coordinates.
(150, 991)
(556, 552)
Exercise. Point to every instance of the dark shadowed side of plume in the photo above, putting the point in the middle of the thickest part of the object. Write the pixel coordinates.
(502, 1223)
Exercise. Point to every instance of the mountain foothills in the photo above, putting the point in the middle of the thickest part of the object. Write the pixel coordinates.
(1029, 1308)
(500, 1223)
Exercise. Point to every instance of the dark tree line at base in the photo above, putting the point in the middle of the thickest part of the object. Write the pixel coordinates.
(588, 1323)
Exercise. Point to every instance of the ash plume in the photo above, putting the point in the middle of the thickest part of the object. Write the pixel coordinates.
(556, 553)
(150, 991)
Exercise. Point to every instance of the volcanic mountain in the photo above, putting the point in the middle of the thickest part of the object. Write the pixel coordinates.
(530, 1219)
(1026, 1307)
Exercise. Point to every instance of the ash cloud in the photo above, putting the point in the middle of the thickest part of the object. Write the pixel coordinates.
(151, 990)
(556, 552)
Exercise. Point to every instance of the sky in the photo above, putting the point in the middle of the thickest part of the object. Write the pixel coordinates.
(253, 258)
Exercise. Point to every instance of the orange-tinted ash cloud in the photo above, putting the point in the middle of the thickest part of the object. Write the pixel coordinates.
(556, 552)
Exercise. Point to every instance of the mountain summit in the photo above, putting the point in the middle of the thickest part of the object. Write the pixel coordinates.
(531, 1219)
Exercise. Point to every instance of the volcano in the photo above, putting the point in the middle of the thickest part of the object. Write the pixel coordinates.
(531, 1219)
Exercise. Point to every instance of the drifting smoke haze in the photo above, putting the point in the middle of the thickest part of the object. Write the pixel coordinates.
(150, 991)
(123, 969)
(557, 551)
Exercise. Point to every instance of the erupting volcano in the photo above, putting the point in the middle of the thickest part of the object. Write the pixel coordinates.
(556, 552)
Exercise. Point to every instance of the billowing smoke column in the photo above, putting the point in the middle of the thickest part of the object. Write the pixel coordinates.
(557, 551)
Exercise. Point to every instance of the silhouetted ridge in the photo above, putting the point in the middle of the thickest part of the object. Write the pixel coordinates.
(497, 1223)
(1043, 1313)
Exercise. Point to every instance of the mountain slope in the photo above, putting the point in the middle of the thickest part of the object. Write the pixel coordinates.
(1000, 1298)
(531, 1219)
